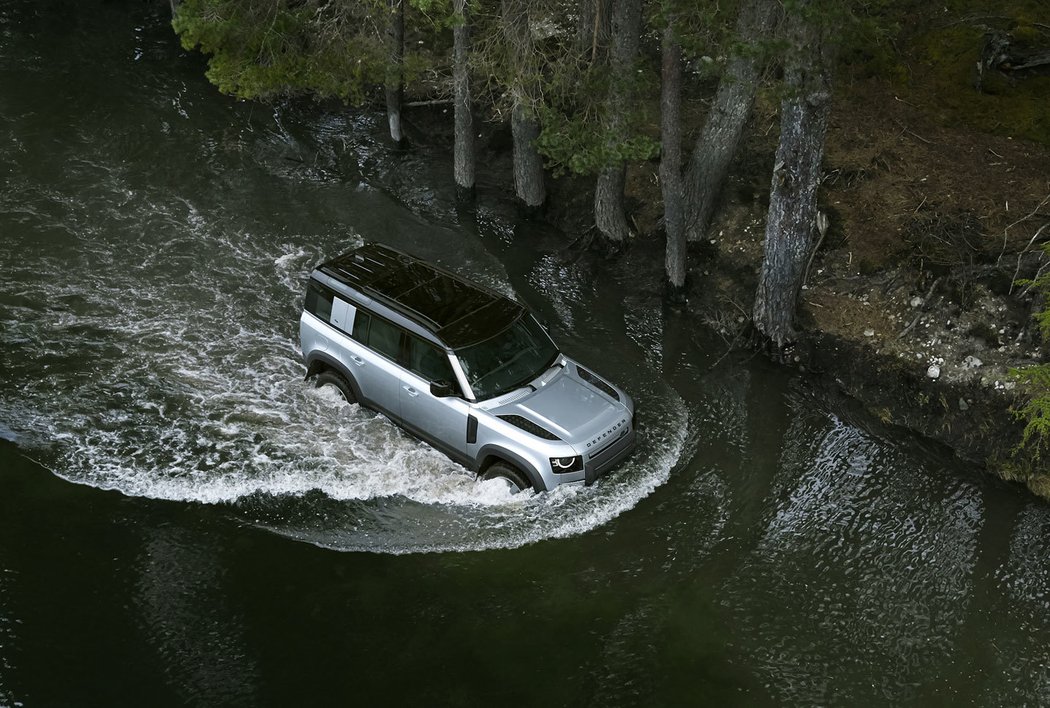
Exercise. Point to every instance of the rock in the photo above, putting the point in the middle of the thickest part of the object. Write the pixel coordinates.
(869, 332)
(915, 301)
(934, 371)
(963, 405)
(972, 362)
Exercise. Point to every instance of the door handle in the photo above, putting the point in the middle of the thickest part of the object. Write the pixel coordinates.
(411, 391)
(357, 360)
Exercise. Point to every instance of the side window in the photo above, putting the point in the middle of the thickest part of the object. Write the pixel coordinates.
(361, 321)
(318, 300)
(428, 361)
(384, 338)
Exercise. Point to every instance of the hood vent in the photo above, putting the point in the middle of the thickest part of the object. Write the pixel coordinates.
(597, 383)
(529, 427)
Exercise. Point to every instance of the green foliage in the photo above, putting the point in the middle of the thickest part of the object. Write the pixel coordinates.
(1004, 106)
(1042, 284)
(259, 50)
(701, 27)
(1036, 382)
(575, 136)
(1036, 411)
(581, 147)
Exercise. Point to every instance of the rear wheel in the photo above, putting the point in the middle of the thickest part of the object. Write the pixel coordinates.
(514, 478)
(338, 382)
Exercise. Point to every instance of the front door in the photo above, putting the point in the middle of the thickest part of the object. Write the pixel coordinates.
(442, 421)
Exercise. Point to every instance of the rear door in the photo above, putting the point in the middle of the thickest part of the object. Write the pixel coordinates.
(373, 361)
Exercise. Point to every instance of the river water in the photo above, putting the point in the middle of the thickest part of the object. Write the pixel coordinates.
(184, 521)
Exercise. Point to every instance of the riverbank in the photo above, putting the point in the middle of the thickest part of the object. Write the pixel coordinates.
(911, 304)
(935, 192)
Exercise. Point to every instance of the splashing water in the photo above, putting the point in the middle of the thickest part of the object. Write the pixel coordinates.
(165, 365)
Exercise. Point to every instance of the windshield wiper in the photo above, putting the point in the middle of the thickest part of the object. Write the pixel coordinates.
(531, 377)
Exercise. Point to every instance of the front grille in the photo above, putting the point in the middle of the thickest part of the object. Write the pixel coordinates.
(601, 462)
(608, 436)
(597, 456)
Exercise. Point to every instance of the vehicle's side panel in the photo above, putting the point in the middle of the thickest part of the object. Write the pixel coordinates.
(372, 366)
(441, 421)
(312, 334)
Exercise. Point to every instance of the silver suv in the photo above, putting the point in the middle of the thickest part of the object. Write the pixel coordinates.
(464, 368)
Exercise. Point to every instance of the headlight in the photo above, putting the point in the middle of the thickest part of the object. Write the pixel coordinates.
(567, 464)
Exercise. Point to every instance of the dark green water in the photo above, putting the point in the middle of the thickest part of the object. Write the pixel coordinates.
(182, 521)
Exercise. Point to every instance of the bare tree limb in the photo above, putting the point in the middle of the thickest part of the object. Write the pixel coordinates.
(1017, 271)
(1024, 218)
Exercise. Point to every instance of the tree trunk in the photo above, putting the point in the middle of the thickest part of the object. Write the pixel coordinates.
(796, 177)
(714, 149)
(671, 161)
(395, 78)
(528, 165)
(463, 154)
(592, 32)
(609, 213)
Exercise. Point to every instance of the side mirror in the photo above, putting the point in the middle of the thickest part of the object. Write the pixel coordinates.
(441, 389)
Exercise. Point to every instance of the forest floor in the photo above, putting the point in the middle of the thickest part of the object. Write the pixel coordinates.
(911, 303)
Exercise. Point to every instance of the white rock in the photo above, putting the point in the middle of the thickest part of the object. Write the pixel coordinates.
(972, 362)
(934, 371)
(916, 301)
(869, 332)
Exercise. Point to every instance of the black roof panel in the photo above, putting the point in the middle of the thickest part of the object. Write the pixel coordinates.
(459, 312)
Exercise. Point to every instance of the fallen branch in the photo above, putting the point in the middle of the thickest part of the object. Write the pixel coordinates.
(433, 102)
(1026, 217)
(909, 132)
(1017, 271)
(729, 348)
(822, 228)
(922, 308)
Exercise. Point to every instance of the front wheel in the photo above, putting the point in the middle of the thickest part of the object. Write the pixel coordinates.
(513, 477)
(336, 381)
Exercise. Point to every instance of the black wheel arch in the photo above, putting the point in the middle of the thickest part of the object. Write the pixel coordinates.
(319, 362)
(489, 456)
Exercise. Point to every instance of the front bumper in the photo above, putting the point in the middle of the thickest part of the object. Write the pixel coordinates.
(600, 463)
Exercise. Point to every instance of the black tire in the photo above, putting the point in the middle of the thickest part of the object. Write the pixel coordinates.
(331, 378)
(509, 473)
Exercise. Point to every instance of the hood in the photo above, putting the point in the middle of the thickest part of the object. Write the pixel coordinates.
(568, 407)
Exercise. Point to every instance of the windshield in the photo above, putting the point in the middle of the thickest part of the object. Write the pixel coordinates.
(509, 360)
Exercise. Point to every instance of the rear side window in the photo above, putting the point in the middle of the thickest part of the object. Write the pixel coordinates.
(384, 338)
(428, 361)
(319, 300)
(360, 332)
